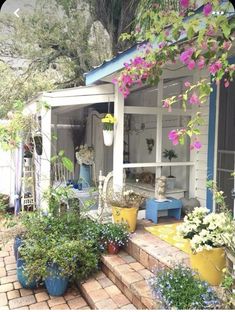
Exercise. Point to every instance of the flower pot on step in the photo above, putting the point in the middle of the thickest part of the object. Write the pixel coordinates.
(126, 215)
(209, 264)
(112, 248)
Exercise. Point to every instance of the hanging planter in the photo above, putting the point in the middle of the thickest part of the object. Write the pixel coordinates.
(37, 138)
(108, 125)
(108, 137)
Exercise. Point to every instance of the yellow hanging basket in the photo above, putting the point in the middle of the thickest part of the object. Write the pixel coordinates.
(126, 215)
(209, 264)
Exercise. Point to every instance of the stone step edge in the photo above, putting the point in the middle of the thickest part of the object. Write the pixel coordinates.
(137, 292)
(102, 294)
(148, 257)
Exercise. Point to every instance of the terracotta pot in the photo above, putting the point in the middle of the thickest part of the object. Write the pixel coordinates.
(113, 248)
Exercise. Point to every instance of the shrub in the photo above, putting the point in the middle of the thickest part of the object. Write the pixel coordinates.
(181, 288)
(68, 241)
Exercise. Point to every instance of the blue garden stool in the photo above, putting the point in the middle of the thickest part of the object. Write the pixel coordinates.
(152, 207)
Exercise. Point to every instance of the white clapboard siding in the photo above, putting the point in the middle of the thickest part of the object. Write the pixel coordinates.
(201, 159)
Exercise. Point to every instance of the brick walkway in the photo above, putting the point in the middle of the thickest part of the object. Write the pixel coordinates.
(13, 296)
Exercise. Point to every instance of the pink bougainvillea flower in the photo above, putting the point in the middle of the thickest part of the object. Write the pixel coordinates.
(184, 4)
(207, 9)
(196, 145)
(174, 137)
(194, 99)
(162, 45)
(226, 83)
(191, 64)
(204, 45)
(186, 55)
(166, 104)
(227, 45)
(187, 84)
(114, 80)
(214, 67)
(201, 62)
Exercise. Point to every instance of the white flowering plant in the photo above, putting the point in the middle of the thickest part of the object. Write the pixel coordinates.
(85, 155)
(204, 229)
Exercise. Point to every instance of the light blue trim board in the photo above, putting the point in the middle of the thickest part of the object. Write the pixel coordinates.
(211, 140)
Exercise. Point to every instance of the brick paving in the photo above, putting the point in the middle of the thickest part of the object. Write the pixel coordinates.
(102, 294)
(14, 297)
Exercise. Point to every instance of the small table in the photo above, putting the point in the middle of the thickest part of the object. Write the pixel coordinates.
(173, 206)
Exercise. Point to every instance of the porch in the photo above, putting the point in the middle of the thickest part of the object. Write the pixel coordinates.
(74, 118)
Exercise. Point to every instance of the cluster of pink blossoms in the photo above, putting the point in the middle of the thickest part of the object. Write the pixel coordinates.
(207, 10)
(175, 135)
(135, 72)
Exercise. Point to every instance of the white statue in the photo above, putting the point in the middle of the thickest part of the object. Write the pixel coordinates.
(160, 189)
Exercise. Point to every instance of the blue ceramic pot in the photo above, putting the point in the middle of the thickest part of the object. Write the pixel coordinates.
(85, 175)
(22, 278)
(17, 243)
(56, 285)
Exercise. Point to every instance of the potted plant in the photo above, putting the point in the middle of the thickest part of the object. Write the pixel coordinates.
(58, 249)
(125, 206)
(108, 125)
(170, 154)
(85, 158)
(205, 232)
(115, 235)
(37, 138)
(180, 288)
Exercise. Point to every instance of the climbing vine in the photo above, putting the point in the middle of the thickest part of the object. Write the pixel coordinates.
(196, 38)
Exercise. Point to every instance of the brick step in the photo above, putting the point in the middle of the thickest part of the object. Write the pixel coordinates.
(153, 253)
(131, 278)
(102, 294)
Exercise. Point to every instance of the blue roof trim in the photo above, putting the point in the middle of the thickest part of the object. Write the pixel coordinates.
(117, 63)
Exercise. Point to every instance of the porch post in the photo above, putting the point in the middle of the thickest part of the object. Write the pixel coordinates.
(45, 177)
(118, 141)
(158, 140)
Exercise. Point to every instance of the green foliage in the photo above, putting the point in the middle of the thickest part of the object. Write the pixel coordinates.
(67, 241)
(169, 154)
(16, 129)
(228, 284)
(65, 161)
(4, 202)
(55, 196)
(16, 88)
(181, 288)
(115, 233)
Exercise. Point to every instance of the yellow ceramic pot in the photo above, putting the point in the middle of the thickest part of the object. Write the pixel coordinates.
(126, 215)
(209, 264)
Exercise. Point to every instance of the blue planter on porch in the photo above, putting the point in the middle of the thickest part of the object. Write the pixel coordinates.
(22, 278)
(85, 175)
(56, 285)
